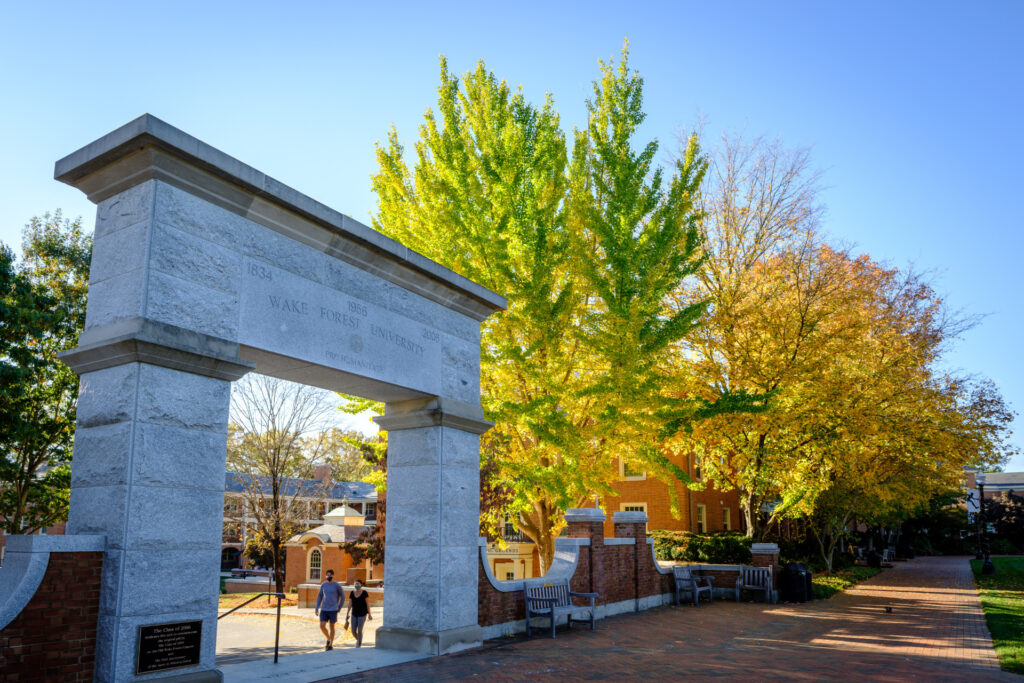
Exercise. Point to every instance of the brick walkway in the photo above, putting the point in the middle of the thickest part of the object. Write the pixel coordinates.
(936, 629)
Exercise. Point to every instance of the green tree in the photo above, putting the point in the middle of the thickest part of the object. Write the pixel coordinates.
(584, 252)
(43, 309)
(370, 544)
(342, 450)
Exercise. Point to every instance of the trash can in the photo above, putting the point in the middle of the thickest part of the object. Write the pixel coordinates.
(794, 586)
(785, 584)
(807, 575)
(874, 559)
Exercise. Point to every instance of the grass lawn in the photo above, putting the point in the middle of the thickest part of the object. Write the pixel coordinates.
(229, 600)
(827, 585)
(1002, 598)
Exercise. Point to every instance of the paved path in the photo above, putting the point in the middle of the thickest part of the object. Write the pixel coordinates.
(248, 635)
(935, 630)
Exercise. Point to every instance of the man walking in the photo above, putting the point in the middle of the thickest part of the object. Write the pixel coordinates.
(328, 604)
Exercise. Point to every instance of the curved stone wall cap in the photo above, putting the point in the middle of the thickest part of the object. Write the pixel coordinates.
(764, 548)
(70, 543)
(584, 515)
(149, 131)
(630, 517)
(25, 566)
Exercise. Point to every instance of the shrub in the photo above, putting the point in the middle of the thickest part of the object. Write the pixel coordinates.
(826, 586)
(923, 545)
(683, 546)
(1001, 546)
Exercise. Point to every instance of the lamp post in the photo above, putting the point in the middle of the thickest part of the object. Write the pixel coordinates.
(978, 555)
(988, 567)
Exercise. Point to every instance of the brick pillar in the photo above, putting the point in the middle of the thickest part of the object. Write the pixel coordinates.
(586, 523)
(633, 525)
(767, 555)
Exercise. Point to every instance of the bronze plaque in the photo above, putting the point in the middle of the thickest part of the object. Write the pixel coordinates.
(169, 646)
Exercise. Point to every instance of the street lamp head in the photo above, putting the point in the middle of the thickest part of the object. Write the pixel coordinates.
(980, 478)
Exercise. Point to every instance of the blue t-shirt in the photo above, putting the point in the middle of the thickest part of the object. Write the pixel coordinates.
(331, 595)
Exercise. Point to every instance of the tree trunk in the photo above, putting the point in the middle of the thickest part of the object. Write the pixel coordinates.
(278, 568)
(538, 527)
(546, 550)
(749, 506)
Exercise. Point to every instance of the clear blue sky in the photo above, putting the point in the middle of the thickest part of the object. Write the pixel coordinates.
(914, 110)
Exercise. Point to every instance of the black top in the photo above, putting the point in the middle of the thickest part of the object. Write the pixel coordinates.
(359, 607)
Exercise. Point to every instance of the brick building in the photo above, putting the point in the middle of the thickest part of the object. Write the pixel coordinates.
(309, 554)
(704, 511)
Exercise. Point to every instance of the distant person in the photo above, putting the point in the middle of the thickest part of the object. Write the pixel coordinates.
(359, 608)
(330, 598)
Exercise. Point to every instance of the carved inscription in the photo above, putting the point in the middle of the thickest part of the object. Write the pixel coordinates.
(396, 339)
(293, 316)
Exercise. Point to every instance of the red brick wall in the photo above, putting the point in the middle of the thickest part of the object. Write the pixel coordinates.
(495, 607)
(54, 637)
(617, 572)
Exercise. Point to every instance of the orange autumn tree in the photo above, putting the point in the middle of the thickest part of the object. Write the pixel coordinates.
(841, 354)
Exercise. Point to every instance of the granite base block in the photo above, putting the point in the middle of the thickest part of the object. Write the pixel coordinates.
(429, 642)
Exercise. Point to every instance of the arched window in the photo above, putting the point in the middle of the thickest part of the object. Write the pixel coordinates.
(314, 565)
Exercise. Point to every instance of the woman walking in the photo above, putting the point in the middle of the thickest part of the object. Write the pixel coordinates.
(359, 608)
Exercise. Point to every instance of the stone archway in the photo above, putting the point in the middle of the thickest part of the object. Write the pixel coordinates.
(205, 269)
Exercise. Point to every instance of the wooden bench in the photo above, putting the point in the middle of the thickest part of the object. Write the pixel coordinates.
(755, 579)
(687, 582)
(552, 599)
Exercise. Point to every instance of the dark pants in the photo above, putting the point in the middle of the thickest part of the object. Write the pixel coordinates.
(357, 629)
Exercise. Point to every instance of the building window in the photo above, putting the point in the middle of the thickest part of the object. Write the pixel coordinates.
(702, 518)
(233, 507)
(232, 532)
(315, 561)
(726, 521)
(631, 472)
(696, 469)
(510, 576)
(371, 511)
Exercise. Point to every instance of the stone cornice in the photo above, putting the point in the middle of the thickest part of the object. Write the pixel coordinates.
(148, 148)
(140, 340)
(433, 413)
